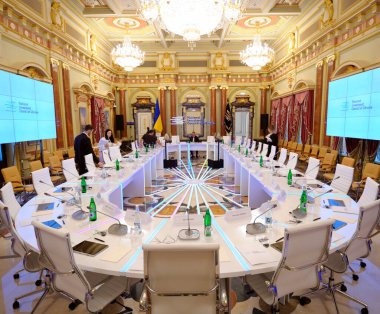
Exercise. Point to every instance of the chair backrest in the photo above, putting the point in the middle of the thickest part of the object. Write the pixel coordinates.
(299, 148)
(106, 156)
(283, 155)
(135, 145)
(55, 164)
(248, 142)
(312, 168)
(89, 160)
(227, 140)
(238, 140)
(114, 152)
(35, 165)
(349, 162)
(46, 155)
(294, 146)
(175, 139)
(71, 152)
(335, 154)
(18, 244)
(359, 245)
(285, 144)
(11, 174)
(370, 192)
(57, 255)
(265, 150)
(314, 151)
(306, 149)
(273, 150)
(371, 170)
(175, 270)
(259, 147)
(69, 170)
(292, 162)
(328, 160)
(322, 152)
(210, 139)
(305, 248)
(59, 154)
(343, 178)
(253, 146)
(9, 199)
(42, 181)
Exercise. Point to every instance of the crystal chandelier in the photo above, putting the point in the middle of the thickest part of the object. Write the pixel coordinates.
(190, 18)
(257, 54)
(127, 55)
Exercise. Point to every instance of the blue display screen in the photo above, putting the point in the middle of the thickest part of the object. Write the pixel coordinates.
(27, 109)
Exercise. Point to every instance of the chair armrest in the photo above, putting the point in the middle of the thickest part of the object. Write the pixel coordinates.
(182, 293)
(93, 289)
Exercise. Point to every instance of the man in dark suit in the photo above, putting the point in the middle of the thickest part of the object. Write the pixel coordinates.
(193, 139)
(83, 147)
(271, 139)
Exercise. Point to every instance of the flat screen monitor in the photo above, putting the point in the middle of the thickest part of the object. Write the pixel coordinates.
(354, 106)
(27, 109)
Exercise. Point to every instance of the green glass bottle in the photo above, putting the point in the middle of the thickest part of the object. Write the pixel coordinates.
(303, 200)
(239, 148)
(92, 208)
(137, 154)
(146, 148)
(290, 177)
(117, 165)
(207, 223)
(83, 184)
(261, 162)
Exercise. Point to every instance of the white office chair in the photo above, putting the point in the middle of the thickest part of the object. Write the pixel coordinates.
(292, 161)
(114, 153)
(253, 146)
(9, 199)
(304, 249)
(370, 192)
(312, 168)
(238, 140)
(264, 151)
(106, 157)
(273, 151)
(342, 178)
(175, 139)
(135, 145)
(248, 143)
(259, 148)
(244, 144)
(359, 246)
(227, 140)
(69, 170)
(282, 157)
(210, 139)
(181, 278)
(42, 181)
(94, 290)
(30, 258)
(90, 165)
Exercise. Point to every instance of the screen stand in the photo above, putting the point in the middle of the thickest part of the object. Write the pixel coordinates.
(41, 151)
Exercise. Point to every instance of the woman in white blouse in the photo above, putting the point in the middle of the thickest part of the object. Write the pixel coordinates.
(106, 142)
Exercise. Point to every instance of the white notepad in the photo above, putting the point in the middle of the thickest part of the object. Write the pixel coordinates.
(115, 254)
(256, 254)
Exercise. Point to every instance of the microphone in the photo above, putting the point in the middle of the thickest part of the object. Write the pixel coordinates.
(258, 227)
(188, 234)
(78, 215)
(116, 229)
(43, 182)
(295, 184)
(72, 173)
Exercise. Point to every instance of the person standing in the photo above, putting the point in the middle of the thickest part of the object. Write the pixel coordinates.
(194, 139)
(83, 147)
(105, 143)
(271, 139)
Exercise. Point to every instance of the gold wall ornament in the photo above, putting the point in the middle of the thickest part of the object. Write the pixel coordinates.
(95, 81)
(292, 42)
(218, 62)
(167, 62)
(55, 14)
(291, 79)
(93, 45)
(327, 16)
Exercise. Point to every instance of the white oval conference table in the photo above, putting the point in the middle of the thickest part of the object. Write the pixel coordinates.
(240, 253)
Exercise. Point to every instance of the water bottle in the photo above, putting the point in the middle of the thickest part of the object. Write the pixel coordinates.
(92, 206)
(261, 162)
(117, 165)
(104, 173)
(83, 184)
(268, 218)
(246, 152)
(239, 148)
(303, 199)
(78, 195)
(207, 223)
(147, 148)
(290, 177)
(137, 221)
(137, 154)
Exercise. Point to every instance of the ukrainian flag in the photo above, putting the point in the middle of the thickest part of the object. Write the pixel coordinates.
(157, 125)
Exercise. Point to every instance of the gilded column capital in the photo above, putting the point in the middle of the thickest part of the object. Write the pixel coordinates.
(330, 58)
(66, 66)
(319, 64)
(54, 62)
(213, 87)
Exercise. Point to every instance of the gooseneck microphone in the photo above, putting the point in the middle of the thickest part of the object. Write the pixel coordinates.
(295, 184)
(72, 173)
(188, 234)
(78, 215)
(258, 227)
(115, 229)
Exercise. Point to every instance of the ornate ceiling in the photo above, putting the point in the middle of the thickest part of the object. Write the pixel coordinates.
(114, 17)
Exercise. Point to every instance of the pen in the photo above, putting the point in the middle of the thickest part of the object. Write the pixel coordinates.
(63, 221)
(315, 219)
(279, 239)
(99, 240)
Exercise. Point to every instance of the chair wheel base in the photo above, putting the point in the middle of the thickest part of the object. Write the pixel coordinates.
(38, 282)
(355, 277)
(304, 301)
(363, 265)
(364, 310)
(74, 304)
(16, 305)
(343, 288)
(16, 276)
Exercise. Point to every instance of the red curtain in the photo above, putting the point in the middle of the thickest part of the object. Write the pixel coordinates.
(351, 144)
(273, 115)
(307, 115)
(98, 117)
(286, 102)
